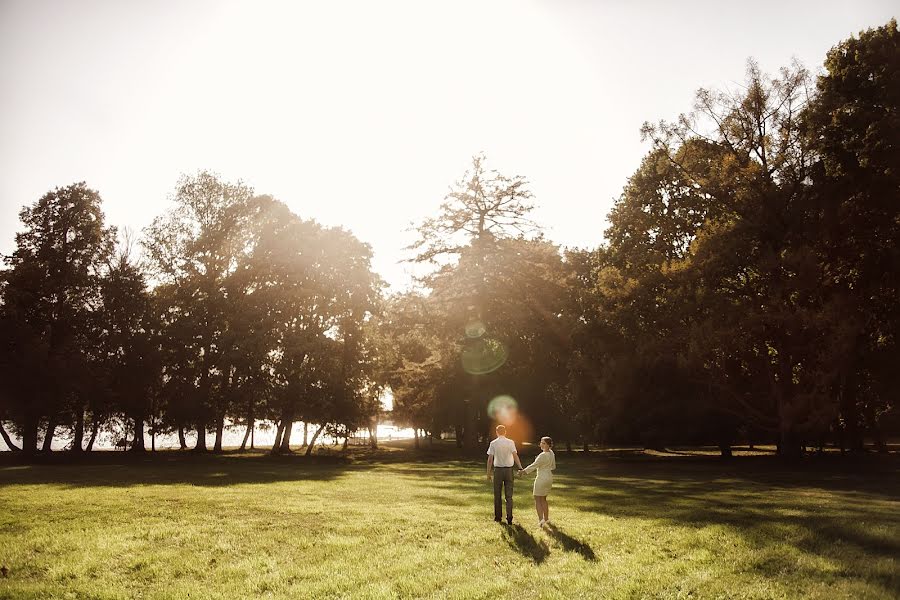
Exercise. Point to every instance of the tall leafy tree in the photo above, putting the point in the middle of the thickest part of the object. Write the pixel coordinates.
(754, 254)
(51, 289)
(129, 343)
(193, 250)
(853, 127)
(480, 211)
(646, 298)
(311, 289)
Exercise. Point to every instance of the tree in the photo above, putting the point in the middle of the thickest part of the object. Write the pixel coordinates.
(129, 343)
(852, 126)
(754, 256)
(637, 326)
(479, 212)
(308, 291)
(51, 289)
(418, 364)
(483, 205)
(767, 264)
(193, 250)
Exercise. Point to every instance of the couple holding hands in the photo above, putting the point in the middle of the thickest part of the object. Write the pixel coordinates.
(502, 455)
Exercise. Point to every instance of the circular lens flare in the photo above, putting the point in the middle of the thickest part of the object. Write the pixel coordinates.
(475, 329)
(503, 409)
(483, 355)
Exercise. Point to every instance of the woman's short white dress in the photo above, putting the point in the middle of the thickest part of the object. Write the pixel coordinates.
(544, 465)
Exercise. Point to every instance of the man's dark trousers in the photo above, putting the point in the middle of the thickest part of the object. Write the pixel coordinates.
(503, 477)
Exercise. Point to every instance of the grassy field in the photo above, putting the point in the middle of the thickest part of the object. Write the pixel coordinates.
(400, 524)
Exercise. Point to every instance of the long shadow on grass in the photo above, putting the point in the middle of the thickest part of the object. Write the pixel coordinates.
(571, 544)
(210, 470)
(851, 517)
(525, 544)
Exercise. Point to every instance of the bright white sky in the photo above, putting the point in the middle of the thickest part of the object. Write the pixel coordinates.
(363, 113)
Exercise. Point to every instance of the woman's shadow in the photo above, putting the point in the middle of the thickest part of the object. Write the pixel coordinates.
(569, 543)
(525, 543)
(538, 550)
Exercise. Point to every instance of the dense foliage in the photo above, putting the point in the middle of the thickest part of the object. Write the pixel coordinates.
(745, 292)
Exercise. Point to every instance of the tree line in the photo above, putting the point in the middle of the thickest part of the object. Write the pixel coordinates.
(253, 314)
(745, 291)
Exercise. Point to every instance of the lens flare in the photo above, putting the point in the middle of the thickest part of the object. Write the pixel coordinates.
(520, 430)
(483, 355)
(475, 329)
(503, 409)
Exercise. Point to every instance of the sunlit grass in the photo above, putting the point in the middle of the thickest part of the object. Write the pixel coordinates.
(401, 524)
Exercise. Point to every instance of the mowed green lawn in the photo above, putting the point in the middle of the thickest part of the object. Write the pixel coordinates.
(400, 524)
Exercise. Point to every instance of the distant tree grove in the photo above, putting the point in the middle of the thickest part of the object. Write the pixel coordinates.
(747, 291)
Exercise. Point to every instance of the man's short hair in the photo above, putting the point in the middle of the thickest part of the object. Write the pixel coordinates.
(501, 429)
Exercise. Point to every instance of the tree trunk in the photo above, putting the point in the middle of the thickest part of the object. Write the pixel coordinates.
(220, 433)
(373, 436)
(725, 439)
(305, 433)
(137, 445)
(48, 437)
(7, 440)
(30, 433)
(346, 442)
(416, 436)
(850, 412)
(286, 438)
(315, 436)
(788, 445)
(878, 434)
(470, 437)
(201, 438)
(151, 423)
(459, 436)
(251, 423)
(181, 439)
(95, 427)
(874, 429)
(279, 431)
(203, 412)
(78, 439)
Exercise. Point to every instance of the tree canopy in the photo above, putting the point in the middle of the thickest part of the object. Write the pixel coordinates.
(745, 291)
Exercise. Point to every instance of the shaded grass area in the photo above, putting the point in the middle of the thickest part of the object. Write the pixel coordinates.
(405, 524)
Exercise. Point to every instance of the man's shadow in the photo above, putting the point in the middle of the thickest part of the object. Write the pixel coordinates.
(569, 543)
(525, 543)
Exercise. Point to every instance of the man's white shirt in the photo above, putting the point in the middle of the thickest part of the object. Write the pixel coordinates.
(503, 450)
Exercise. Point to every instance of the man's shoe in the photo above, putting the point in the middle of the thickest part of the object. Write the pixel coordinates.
(509, 521)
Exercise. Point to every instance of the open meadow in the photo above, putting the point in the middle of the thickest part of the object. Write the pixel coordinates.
(404, 524)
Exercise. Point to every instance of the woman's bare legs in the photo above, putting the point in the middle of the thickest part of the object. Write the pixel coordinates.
(540, 505)
(543, 509)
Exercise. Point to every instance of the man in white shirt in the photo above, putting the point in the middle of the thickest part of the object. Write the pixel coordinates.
(501, 457)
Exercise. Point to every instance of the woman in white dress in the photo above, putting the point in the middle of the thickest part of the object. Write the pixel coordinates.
(544, 465)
